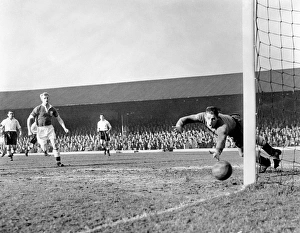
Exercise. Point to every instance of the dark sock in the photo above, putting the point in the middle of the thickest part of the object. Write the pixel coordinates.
(264, 161)
(267, 148)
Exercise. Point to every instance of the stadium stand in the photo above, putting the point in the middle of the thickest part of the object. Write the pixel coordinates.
(142, 113)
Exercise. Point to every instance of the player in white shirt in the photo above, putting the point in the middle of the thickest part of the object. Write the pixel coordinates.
(103, 128)
(11, 127)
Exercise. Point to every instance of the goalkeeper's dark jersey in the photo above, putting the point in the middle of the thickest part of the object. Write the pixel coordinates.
(225, 126)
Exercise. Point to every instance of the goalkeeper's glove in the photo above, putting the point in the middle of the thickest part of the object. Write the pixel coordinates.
(177, 129)
(216, 154)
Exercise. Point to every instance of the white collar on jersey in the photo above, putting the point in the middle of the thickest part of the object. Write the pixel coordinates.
(47, 109)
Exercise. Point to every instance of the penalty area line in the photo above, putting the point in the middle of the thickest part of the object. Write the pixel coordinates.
(161, 212)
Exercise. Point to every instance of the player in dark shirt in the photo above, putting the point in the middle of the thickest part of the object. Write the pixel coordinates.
(42, 115)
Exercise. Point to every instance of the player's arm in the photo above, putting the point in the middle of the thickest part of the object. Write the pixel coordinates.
(2, 125)
(108, 127)
(29, 123)
(62, 123)
(188, 120)
(222, 133)
(98, 128)
(2, 128)
(19, 128)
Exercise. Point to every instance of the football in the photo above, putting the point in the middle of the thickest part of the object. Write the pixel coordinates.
(222, 170)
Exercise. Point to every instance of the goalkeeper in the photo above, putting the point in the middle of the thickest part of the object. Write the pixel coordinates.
(229, 125)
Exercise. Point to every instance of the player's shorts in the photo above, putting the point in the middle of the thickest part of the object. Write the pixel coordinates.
(104, 136)
(10, 138)
(45, 133)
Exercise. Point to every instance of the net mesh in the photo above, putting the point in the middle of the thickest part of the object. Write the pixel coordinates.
(278, 84)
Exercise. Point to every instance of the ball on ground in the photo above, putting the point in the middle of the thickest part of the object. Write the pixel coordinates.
(222, 170)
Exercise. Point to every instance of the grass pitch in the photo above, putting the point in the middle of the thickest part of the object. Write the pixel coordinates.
(140, 192)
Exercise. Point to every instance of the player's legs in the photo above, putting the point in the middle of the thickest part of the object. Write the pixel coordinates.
(14, 139)
(43, 134)
(3, 151)
(241, 152)
(44, 146)
(274, 153)
(10, 141)
(107, 143)
(30, 144)
(102, 145)
(9, 152)
(27, 148)
(52, 137)
(14, 148)
(264, 162)
(107, 147)
(102, 141)
(56, 151)
(42, 138)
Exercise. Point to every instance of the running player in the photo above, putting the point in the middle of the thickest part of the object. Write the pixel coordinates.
(10, 127)
(103, 128)
(42, 115)
(229, 125)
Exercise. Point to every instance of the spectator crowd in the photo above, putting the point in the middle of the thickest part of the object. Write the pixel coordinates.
(160, 136)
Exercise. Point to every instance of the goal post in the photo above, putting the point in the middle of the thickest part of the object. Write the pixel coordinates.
(271, 90)
(249, 93)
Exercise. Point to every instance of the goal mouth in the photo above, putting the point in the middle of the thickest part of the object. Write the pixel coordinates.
(274, 27)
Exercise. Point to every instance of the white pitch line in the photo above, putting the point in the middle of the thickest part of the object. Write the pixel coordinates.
(145, 215)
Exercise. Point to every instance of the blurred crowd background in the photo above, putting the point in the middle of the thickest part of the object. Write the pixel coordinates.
(160, 136)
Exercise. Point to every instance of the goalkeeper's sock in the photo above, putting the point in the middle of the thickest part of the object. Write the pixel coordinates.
(264, 161)
(275, 153)
(267, 148)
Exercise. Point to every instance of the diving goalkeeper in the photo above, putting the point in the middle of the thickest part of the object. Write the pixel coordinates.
(229, 125)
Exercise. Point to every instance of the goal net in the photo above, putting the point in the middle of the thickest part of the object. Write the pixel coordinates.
(277, 84)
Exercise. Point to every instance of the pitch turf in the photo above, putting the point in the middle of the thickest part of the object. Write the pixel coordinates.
(140, 192)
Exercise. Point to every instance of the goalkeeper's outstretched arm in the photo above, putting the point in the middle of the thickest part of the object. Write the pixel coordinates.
(189, 119)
